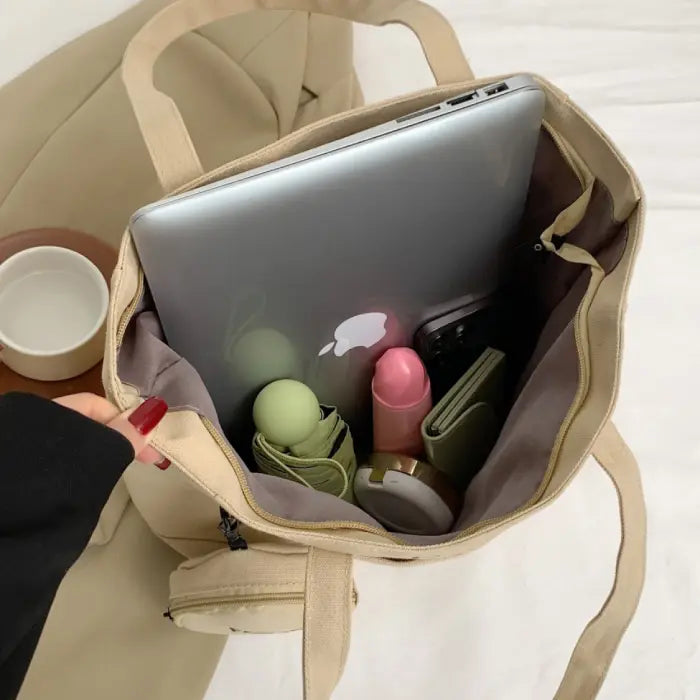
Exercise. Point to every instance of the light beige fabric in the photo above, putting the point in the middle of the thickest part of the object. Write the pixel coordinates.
(106, 636)
(596, 647)
(260, 589)
(268, 73)
(592, 342)
(327, 618)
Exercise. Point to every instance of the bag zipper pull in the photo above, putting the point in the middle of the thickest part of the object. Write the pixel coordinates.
(229, 527)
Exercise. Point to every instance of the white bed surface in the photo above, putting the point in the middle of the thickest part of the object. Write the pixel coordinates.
(500, 623)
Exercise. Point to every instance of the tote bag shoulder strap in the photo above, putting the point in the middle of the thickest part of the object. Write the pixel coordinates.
(164, 131)
(598, 642)
(329, 594)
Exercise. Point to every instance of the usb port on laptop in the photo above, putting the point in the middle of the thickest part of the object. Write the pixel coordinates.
(495, 89)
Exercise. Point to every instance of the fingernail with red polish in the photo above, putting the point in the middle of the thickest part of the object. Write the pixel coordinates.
(148, 414)
(163, 464)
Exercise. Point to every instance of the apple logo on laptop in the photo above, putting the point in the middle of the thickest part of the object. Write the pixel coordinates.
(362, 331)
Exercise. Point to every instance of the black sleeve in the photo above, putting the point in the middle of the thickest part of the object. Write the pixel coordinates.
(57, 470)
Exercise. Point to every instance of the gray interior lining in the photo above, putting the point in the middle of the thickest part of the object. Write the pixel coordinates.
(549, 291)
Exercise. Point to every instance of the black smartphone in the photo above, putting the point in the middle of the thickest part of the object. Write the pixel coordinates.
(451, 343)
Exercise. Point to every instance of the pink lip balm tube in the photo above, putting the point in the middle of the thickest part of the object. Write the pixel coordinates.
(401, 400)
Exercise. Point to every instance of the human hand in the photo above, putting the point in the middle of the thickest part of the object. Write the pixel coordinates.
(134, 425)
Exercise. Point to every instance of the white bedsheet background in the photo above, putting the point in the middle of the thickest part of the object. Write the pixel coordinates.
(499, 624)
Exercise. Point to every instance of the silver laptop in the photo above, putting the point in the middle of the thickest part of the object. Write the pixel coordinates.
(311, 267)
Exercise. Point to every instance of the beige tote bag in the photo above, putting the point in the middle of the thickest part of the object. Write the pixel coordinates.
(586, 207)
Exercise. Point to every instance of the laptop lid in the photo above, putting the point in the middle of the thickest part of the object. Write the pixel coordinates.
(310, 268)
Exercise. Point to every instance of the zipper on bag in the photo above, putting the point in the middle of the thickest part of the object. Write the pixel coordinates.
(229, 527)
(204, 603)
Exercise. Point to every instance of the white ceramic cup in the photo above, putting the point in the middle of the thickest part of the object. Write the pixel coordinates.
(53, 306)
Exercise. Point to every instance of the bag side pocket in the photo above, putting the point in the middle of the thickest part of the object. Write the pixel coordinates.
(243, 591)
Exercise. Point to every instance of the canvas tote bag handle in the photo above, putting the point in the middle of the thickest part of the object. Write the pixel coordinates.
(329, 594)
(163, 129)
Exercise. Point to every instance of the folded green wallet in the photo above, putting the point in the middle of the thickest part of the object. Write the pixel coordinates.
(463, 426)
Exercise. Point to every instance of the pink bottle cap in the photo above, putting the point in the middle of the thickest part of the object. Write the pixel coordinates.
(400, 380)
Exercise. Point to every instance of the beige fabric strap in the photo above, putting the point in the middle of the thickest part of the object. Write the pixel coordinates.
(160, 121)
(327, 617)
(568, 219)
(563, 224)
(329, 594)
(597, 644)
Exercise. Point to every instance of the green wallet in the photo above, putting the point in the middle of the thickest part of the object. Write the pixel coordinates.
(462, 427)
